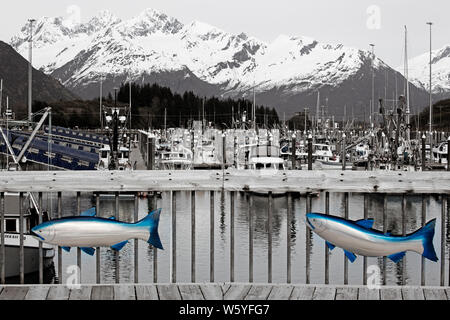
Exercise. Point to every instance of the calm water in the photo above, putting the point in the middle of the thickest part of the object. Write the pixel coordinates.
(412, 261)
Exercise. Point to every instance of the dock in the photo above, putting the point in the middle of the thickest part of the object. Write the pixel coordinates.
(221, 291)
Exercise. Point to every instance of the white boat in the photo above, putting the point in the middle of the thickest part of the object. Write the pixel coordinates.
(30, 243)
(265, 157)
(105, 158)
(440, 153)
(178, 158)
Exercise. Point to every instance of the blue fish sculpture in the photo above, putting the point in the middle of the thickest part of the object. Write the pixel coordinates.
(88, 231)
(358, 237)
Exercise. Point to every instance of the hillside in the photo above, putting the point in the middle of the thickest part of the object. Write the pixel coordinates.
(14, 72)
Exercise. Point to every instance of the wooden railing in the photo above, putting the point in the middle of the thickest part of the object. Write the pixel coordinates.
(305, 183)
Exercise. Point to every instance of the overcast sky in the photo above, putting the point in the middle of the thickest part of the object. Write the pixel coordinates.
(355, 23)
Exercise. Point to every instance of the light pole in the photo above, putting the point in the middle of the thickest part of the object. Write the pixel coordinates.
(30, 72)
(373, 86)
(431, 100)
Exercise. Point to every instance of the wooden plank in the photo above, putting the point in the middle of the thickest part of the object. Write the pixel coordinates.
(391, 294)
(324, 293)
(346, 293)
(286, 181)
(190, 292)
(365, 293)
(237, 292)
(84, 293)
(13, 293)
(412, 293)
(211, 291)
(280, 292)
(434, 294)
(58, 292)
(302, 293)
(168, 292)
(258, 292)
(37, 293)
(105, 292)
(146, 292)
(124, 292)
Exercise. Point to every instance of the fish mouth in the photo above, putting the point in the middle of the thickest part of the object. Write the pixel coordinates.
(36, 235)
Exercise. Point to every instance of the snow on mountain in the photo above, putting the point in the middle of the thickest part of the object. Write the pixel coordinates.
(153, 46)
(419, 70)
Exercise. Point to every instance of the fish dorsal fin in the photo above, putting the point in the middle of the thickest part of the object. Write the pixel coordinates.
(396, 257)
(388, 233)
(331, 246)
(112, 218)
(119, 246)
(89, 213)
(67, 249)
(89, 251)
(350, 256)
(365, 223)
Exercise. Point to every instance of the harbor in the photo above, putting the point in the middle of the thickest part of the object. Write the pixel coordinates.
(152, 159)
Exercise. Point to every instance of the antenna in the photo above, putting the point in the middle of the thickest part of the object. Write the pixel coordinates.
(407, 86)
(30, 72)
(431, 98)
(373, 86)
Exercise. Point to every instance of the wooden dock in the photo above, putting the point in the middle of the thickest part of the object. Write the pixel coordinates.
(220, 291)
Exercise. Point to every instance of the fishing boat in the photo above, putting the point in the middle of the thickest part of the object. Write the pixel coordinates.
(30, 243)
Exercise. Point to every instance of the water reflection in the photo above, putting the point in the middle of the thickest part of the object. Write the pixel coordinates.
(408, 270)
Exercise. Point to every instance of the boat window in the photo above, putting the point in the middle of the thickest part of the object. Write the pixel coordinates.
(10, 225)
(280, 166)
(259, 166)
(104, 154)
(269, 165)
(125, 154)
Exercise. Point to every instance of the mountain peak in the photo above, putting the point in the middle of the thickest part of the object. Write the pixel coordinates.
(150, 21)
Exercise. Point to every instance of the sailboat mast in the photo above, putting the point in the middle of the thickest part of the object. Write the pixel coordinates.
(407, 87)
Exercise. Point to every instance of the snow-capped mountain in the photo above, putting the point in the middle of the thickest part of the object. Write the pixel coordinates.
(153, 47)
(419, 70)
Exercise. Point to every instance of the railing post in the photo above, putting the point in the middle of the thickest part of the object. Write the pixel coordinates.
(308, 239)
(384, 231)
(173, 265)
(345, 258)
(250, 238)
(97, 250)
(2, 239)
(78, 248)
(424, 153)
(232, 236)
(269, 235)
(424, 214)
(327, 250)
(192, 236)
(294, 147)
(152, 205)
(211, 238)
(443, 224)
(403, 234)
(59, 215)
(366, 215)
(22, 249)
(288, 237)
(41, 257)
(116, 253)
(136, 242)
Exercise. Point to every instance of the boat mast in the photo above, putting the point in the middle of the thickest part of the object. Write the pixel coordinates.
(431, 99)
(407, 88)
(30, 72)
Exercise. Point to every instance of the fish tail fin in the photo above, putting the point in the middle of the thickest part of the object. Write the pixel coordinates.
(426, 234)
(151, 221)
